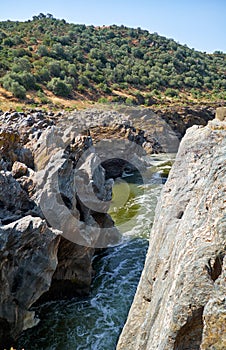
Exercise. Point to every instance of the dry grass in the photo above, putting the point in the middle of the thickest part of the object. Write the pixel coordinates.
(82, 101)
(8, 102)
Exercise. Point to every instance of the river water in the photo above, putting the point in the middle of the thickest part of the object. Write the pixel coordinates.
(95, 322)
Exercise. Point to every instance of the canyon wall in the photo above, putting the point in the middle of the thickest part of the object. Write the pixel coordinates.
(180, 300)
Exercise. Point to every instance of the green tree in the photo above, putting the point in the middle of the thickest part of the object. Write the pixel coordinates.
(21, 64)
(18, 90)
(171, 92)
(43, 75)
(54, 68)
(8, 42)
(28, 80)
(42, 50)
(13, 86)
(72, 70)
(83, 80)
(58, 51)
(60, 87)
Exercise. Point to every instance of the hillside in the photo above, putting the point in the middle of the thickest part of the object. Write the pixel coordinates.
(47, 58)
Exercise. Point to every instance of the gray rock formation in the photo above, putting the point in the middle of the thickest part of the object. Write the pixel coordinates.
(50, 221)
(66, 197)
(14, 201)
(28, 259)
(180, 300)
(181, 118)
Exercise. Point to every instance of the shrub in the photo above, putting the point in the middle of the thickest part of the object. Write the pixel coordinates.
(54, 68)
(18, 90)
(59, 87)
(103, 100)
(20, 53)
(28, 80)
(83, 80)
(14, 86)
(42, 51)
(7, 81)
(72, 70)
(8, 42)
(171, 92)
(21, 64)
(81, 88)
(103, 87)
(43, 97)
(130, 101)
(43, 75)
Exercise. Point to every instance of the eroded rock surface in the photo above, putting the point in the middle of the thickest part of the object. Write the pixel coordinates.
(14, 201)
(28, 259)
(180, 300)
(52, 217)
(181, 118)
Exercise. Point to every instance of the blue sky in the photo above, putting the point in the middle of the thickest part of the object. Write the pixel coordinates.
(201, 24)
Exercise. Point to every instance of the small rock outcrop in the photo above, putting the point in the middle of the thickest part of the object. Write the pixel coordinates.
(180, 300)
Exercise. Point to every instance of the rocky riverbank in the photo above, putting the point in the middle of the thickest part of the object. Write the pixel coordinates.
(48, 235)
(38, 260)
(180, 300)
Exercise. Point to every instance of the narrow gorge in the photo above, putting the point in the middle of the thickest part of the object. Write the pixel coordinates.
(61, 251)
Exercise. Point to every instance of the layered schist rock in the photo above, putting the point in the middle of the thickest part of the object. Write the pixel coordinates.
(180, 302)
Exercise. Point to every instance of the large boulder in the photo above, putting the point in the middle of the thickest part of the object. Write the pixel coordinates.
(28, 259)
(180, 118)
(180, 300)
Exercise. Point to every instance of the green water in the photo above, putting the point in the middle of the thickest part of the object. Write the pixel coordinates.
(124, 205)
(95, 322)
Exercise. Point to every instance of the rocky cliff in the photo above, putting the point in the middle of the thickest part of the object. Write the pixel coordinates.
(180, 300)
(47, 234)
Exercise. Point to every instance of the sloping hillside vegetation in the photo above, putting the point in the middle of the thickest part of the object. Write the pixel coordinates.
(116, 63)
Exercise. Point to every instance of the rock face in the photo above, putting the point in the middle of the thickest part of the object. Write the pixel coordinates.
(181, 118)
(48, 232)
(28, 259)
(14, 201)
(180, 300)
(67, 200)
